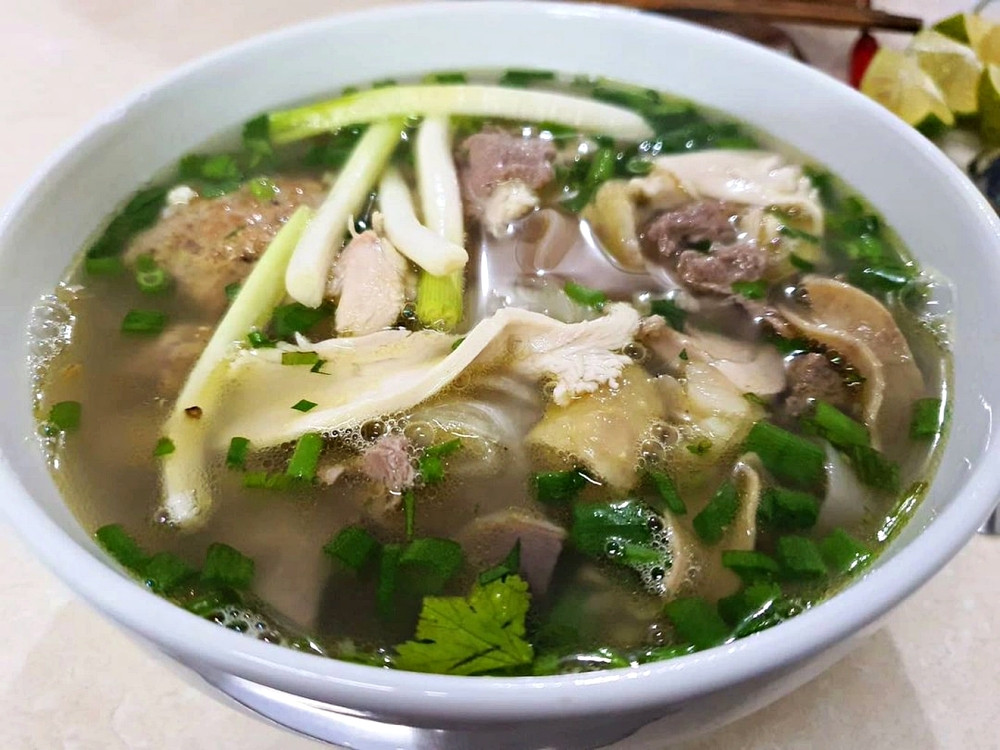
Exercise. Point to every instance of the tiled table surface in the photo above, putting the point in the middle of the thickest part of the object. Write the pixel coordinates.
(928, 679)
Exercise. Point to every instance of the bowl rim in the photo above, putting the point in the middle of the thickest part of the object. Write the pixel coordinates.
(496, 698)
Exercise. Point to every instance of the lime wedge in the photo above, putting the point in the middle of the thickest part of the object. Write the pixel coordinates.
(987, 45)
(952, 66)
(989, 104)
(966, 28)
(898, 83)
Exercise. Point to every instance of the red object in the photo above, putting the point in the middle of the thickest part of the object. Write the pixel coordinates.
(862, 54)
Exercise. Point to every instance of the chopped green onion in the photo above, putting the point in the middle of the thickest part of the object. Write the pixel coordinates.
(122, 547)
(927, 419)
(427, 564)
(107, 266)
(605, 529)
(521, 77)
(711, 523)
(683, 356)
(843, 553)
(318, 367)
(798, 234)
(226, 566)
(670, 312)
(754, 399)
(257, 139)
(384, 83)
(800, 558)
(304, 405)
(263, 188)
(232, 290)
(446, 77)
(457, 343)
(602, 168)
(749, 565)
(259, 340)
(781, 509)
(508, 566)
(873, 469)
(353, 546)
(299, 358)
(165, 571)
(409, 511)
(750, 289)
(146, 322)
(667, 491)
(262, 480)
(801, 263)
(697, 621)
(638, 166)
(164, 447)
(236, 456)
(557, 487)
(139, 213)
(388, 575)
(585, 296)
(751, 609)
(444, 449)
(880, 277)
(703, 446)
(305, 457)
(789, 457)
(287, 320)
(149, 276)
(65, 415)
(838, 428)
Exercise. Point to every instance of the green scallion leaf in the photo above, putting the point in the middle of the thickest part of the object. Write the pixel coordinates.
(353, 547)
(800, 558)
(781, 509)
(164, 447)
(144, 322)
(838, 428)
(409, 513)
(683, 356)
(520, 77)
(697, 622)
(667, 491)
(305, 457)
(700, 448)
(843, 553)
(121, 546)
(149, 276)
(873, 469)
(299, 358)
(65, 415)
(670, 312)
(318, 367)
(749, 565)
(288, 320)
(792, 459)
(557, 487)
(798, 234)
(714, 519)
(263, 188)
(304, 405)
(801, 263)
(388, 575)
(427, 564)
(582, 295)
(259, 340)
(107, 266)
(232, 290)
(236, 456)
(445, 78)
(165, 571)
(750, 289)
(262, 480)
(927, 419)
(227, 566)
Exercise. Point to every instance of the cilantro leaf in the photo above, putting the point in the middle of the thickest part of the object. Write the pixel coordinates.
(481, 633)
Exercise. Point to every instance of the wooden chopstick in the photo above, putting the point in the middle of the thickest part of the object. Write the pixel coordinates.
(821, 12)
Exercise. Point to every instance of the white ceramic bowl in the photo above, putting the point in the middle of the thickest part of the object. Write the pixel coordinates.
(934, 208)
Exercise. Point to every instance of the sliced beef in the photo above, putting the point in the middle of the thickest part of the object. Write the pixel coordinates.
(814, 378)
(721, 267)
(388, 462)
(369, 278)
(488, 540)
(493, 157)
(211, 242)
(694, 223)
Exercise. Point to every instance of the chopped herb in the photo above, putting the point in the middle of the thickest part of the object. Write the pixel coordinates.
(667, 491)
(262, 480)
(388, 574)
(619, 531)
(901, 511)
(749, 565)
(445, 78)
(927, 419)
(257, 140)
(427, 564)
(354, 547)
(521, 77)
(873, 469)
(145, 322)
(304, 405)
(384, 83)
(226, 566)
(683, 355)
(236, 456)
(753, 398)
(697, 622)
(843, 553)
(703, 446)
(409, 511)
(232, 290)
(714, 519)
(750, 289)
(299, 358)
(638, 166)
(557, 487)
(482, 633)
(305, 457)
(107, 266)
(800, 558)
(164, 447)
(318, 367)
(880, 278)
(259, 340)
(287, 320)
(798, 234)
(582, 295)
(430, 465)
(781, 509)
(670, 312)
(788, 347)
(149, 276)
(752, 608)
(508, 566)
(138, 214)
(263, 188)
(839, 429)
(122, 547)
(801, 263)
(457, 343)
(165, 571)
(792, 459)
(65, 415)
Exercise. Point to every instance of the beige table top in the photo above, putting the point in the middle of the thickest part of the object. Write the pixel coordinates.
(929, 678)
